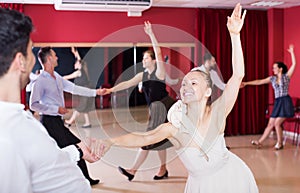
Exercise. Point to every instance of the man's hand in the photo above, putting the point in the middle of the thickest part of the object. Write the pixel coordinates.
(243, 84)
(62, 110)
(101, 91)
(104, 91)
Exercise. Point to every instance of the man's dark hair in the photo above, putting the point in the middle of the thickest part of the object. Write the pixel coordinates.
(15, 29)
(207, 56)
(43, 53)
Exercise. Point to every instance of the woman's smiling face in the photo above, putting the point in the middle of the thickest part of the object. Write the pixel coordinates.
(193, 87)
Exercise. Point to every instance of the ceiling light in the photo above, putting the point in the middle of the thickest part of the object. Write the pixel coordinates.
(267, 3)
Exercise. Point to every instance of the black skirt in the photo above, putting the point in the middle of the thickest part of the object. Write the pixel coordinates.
(283, 107)
(158, 115)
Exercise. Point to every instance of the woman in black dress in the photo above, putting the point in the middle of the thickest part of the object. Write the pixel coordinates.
(158, 100)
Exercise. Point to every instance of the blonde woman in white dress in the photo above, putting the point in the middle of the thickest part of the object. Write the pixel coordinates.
(196, 128)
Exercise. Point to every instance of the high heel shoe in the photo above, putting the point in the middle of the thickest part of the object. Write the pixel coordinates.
(93, 182)
(278, 146)
(161, 177)
(256, 143)
(125, 173)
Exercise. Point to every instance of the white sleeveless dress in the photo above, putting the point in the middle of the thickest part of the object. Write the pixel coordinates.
(223, 173)
(211, 168)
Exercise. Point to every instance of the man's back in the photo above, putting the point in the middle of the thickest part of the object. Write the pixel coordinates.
(34, 162)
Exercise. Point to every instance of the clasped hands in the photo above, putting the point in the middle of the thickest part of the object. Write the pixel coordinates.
(103, 91)
(95, 149)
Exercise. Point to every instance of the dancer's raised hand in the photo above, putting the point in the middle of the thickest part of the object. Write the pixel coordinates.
(235, 21)
(148, 28)
(291, 48)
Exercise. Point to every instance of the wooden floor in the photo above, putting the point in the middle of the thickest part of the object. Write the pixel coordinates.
(274, 171)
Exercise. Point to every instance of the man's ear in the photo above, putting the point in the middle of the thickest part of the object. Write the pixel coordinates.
(18, 63)
(20, 59)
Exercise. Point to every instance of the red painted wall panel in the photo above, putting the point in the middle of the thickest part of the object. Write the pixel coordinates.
(83, 26)
(276, 39)
(292, 36)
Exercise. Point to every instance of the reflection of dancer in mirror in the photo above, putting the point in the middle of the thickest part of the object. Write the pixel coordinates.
(283, 105)
(86, 104)
(196, 128)
(156, 95)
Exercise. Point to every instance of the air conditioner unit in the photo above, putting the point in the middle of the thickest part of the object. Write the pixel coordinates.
(132, 7)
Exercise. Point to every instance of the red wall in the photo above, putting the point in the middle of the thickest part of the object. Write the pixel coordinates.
(292, 36)
(82, 26)
(275, 28)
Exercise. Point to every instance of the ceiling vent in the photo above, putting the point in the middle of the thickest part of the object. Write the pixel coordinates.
(132, 7)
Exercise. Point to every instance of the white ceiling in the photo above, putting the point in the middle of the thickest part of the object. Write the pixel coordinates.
(188, 3)
(222, 3)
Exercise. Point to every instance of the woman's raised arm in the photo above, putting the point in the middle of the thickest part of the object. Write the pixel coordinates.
(234, 24)
(161, 71)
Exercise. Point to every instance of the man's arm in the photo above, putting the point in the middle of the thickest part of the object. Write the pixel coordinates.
(78, 90)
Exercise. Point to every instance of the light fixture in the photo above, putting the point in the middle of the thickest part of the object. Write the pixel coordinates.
(267, 3)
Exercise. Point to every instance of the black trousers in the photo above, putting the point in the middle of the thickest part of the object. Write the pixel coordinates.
(63, 137)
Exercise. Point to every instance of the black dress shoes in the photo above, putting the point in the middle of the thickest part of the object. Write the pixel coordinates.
(161, 177)
(93, 182)
(125, 173)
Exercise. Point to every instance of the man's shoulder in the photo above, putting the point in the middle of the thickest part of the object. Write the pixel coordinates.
(42, 78)
(42, 75)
